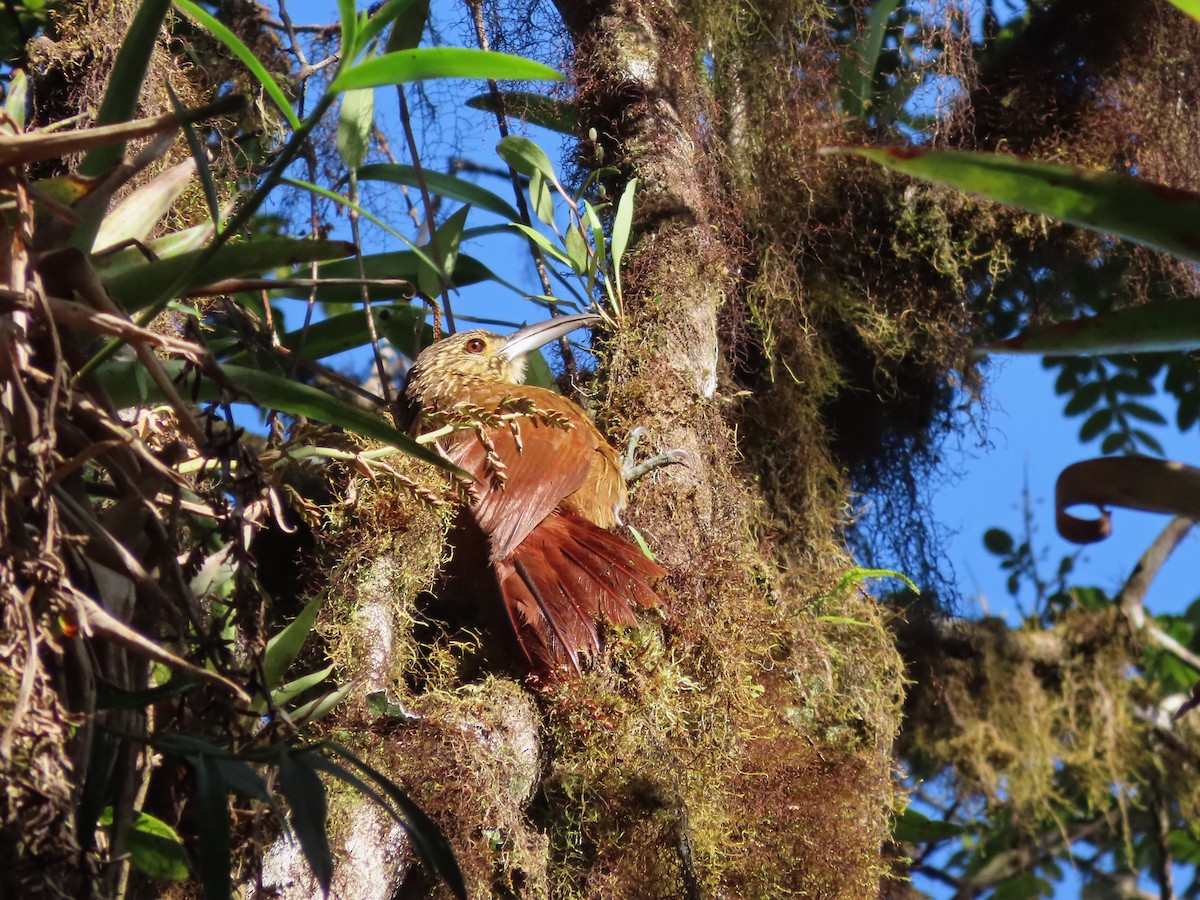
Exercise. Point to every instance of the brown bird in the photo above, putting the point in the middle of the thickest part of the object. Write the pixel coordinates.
(549, 486)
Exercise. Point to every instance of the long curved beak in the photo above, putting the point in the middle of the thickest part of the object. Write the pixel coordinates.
(520, 343)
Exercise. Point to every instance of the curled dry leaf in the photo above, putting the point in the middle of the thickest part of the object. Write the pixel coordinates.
(1133, 482)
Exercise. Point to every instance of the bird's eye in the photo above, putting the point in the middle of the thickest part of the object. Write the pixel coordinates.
(476, 345)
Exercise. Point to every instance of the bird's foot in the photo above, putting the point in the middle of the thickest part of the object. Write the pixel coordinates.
(635, 470)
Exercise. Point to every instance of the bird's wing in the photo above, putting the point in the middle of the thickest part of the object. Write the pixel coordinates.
(528, 469)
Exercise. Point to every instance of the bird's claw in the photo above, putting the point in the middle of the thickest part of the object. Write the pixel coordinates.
(633, 471)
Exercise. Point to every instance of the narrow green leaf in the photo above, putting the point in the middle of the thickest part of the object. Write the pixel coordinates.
(542, 241)
(542, 198)
(139, 287)
(858, 575)
(125, 82)
(536, 109)
(622, 226)
(577, 249)
(383, 17)
(199, 155)
(321, 706)
(338, 198)
(305, 795)
(286, 693)
(348, 19)
(242, 52)
(429, 842)
(135, 216)
(15, 99)
(168, 245)
(861, 61)
(273, 392)
(354, 126)
(448, 238)
(400, 323)
(422, 63)
(447, 186)
(284, 647)
(1160, 327)
(598, 240)
(410, 26)
(214, 861)
(1151, 214)
(400, 267)
(237, 776)
(526, 157)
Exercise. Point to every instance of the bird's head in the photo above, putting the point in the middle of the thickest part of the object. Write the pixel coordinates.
(443, 369)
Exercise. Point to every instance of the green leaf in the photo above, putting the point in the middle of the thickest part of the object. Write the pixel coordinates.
(378, 704)
(446, 240)
(542, 241)
(348, 20)
(273, 392)
(321, 706)
(447, 186)
(998, 541)
(423, 63)
(598, 240)
(622, 226)
(284, 647)
(1150, 214)
(125, 83)
(237, 776)
(1095, 424)
(135, 216)
(542, 198)
(1148, 441)
(858, 575)
(536, 109)
(1143, 412)
(401, 323)
(1191, 7)
(402, 266)
(305, 795)
(154, 847)
(577, 249)
(1023, 886)
(288, 692)
(1164, 326)
(1084, 398)
(526, 157)
(14, 100)
(410, 25)
(135, 288)
(429, 842)
(912, 827)
(199, 155)
(168, 245)
(861, 61)
(354, 126)
(242, 52)
(383, 17)
(213, 857)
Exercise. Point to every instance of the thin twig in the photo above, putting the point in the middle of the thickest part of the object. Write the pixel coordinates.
(426, 200)
(539, 261)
